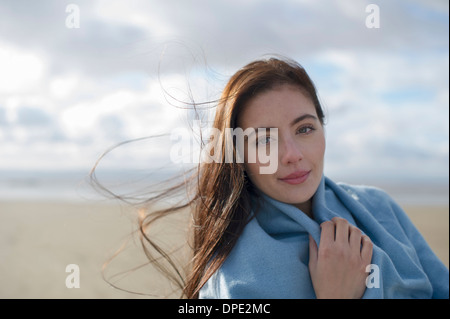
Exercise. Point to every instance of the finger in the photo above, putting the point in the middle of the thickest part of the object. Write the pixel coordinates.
(342, 229)
(367, 249)
(328, 232)
(312, 251)
(355, 239)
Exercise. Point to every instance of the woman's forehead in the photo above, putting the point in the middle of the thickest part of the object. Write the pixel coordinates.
(276, 106)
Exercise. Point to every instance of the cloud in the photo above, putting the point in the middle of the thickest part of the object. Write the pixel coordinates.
(30, 116)
(28, 125)
(388, 112)
(20, 70)
(3, 119)
(97, 48)
(68, 94)
(114, 38)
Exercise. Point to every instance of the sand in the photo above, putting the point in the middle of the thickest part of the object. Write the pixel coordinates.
(39, 239)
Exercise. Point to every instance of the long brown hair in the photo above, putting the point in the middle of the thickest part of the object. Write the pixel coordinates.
(220, 203)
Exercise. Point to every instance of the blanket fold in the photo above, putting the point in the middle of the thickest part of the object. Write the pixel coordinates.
(270, 259)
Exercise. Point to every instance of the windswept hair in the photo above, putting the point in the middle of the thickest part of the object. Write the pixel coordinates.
(220, 203)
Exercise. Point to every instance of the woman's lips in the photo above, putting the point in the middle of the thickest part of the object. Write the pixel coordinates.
(296, 178)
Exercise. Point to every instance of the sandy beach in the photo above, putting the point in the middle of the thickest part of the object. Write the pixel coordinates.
(39, 239)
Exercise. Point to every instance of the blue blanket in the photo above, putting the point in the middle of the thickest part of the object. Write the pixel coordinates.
(270, 259)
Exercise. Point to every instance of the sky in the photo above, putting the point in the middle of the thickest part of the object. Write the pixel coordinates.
(74, 82)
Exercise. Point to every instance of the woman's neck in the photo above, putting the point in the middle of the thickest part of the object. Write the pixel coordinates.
(306, 207)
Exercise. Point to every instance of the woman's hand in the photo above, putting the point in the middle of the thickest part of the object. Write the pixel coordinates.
(338, 266)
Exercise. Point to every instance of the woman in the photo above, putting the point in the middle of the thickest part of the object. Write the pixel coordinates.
(293, 233)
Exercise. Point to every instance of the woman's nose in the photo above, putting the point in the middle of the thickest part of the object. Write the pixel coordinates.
(290, 152)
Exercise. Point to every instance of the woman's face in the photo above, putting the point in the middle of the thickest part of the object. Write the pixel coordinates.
(300, 144)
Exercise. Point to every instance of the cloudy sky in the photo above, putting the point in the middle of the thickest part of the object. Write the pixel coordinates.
(69, 93)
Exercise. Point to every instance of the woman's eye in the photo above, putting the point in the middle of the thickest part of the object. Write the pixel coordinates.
(305, 129)
(263, 140)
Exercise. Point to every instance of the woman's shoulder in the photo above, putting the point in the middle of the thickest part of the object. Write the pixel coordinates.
(378, 203)
(363, 192)
(372, 197)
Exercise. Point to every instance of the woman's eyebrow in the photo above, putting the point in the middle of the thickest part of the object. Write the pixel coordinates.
(303, 117)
